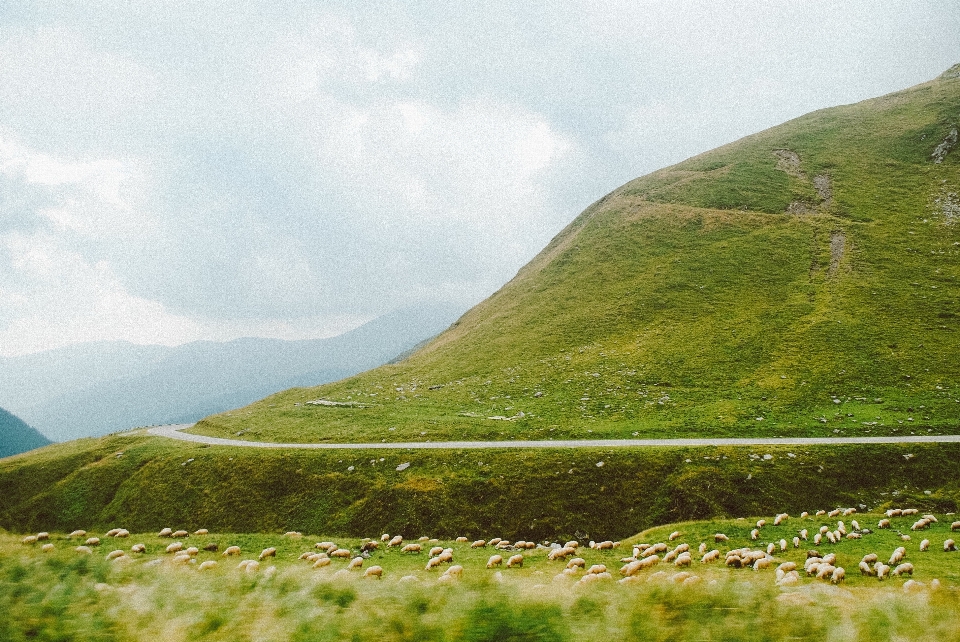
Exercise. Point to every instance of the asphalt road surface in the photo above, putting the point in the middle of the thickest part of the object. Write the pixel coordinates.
(175, 432)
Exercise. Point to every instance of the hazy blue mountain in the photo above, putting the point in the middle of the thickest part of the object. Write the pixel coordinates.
(97, 388)
(16, 436)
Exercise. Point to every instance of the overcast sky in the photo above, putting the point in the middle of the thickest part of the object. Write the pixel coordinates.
(183, 170)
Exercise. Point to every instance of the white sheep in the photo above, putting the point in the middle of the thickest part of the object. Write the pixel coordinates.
(754, 534)
(47, 548)
(180, 533)
(924, 545)
(462, 540)
(343, 553)
(176, 547)
(949, 545)
(231, 550)
(29, 540)
(321, 562)
(712, 556)
(883, 571)
(479, 544)
(577, 562)
(955, 526)
(796, 542)
(82, 533)
(92, 541)
(166, 532)
(674, 535)
(374, 572)
(85, 550)
(903, 569)
(897, 556)
(763, 562)
(515, 560)
(410, 548)
(355, 563)
(866, 570)
(870, 558)
(436, 550)
(883, 523)
(112, 555)
(397, 540)
(720, 537)
(495, 560)
(207, 566)
(385, 537)
(201, 531)
(684, 559)
(804, 515)
(838, 575)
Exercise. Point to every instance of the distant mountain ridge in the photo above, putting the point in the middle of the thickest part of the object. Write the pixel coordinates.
(95, 389)
(16, 436)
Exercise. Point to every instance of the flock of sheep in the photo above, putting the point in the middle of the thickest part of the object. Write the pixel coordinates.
(634, 568)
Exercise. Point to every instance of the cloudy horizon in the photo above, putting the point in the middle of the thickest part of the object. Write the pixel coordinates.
(289, 169)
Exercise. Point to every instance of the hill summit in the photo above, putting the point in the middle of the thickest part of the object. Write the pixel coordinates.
(799, 281)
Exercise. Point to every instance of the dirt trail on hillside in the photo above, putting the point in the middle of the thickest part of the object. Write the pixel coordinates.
(174, 432)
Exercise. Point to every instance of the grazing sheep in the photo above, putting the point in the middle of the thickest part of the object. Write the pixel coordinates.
(893, 512)
(495, 560)
(433, 563)
(838, 575)
(771, 548)
(561, 553)
(231, 550)
(796, 542)
(572, 544)
(166, 532)
(804, 515)
(29, 540)
(321, 562)
(366, 547)
(176, 547)
(883, 571)
(180, 533)
(385, 537)
(182, 558)
(92, 541)
(903, 569)
(423, 538)
(825, 571)
(734, 561)
(112, 555)
(702, 548)
(854, 536)
(436, 550)
(112, 532)
(396, 541)
(213, 547)
(786, 567)
(763, 562)
(410, 548)
(870, 558)
(201, 531)
(684, 559)
(344, 553)
(462, 540)
(208, 565)
(834, 513)
(909, 511)
(955, 526)
(596, 569)
(47, 548)
(949, 545)
(80, 533)
(830, 558)
(674, 535)
(817, 539)
(604, 546)
(43, 535)
(720, 537)
(355, 563)
(479, 544)
(515, 560)
(577, 562)
(866, 570)
(84, 550)
(669, 557)
(250, 566)
(192, 551)
(789, 579)
(897, 556)
(293, 534)
(819, 513)
(754, 534)
(455, 571)
(325, 546)
(494, 541)
(855, 524)
(374, 572)
(712, 556)
(849, 511)
(761, 523)
(883, 523)
(925, 545)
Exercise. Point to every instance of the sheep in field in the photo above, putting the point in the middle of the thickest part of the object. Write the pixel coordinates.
(712, 556)
(462, 540)
(208, 565)
(321, 562)
(883, 571)
(92, 541)
(166, 532)
(479, 544)
(955, 526)
(176, 547)
(949, 545)
(866, 570)
(515, 560)
(201, 531)
(85, 550)
(29, 540)
(374, 572)
(344, 553)
(925, 545)
(396, 541)
(411, 548)
(47, 548)
(355, 563)
(138, 548)
(267, 552)
(577, 562)
(495, 560)
(112, 555)
(436, 550)
(903, 569)
(883, 523)
(684, 559)
(838, 575)
(897, 556)
(213, 547)
(674, 535)
(720, 537)
(596, 569)
(78, 534)
(231, 550)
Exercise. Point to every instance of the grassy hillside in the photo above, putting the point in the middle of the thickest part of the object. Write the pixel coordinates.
(16, 436)
(145, 483)
(800, 281)
(63, 595)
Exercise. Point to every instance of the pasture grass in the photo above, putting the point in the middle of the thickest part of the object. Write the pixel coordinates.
(67, 596)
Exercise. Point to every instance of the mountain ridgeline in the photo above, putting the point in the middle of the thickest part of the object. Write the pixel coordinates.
(800, 281)
(16, 436)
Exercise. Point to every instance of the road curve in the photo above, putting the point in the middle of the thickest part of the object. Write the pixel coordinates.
(174, 432)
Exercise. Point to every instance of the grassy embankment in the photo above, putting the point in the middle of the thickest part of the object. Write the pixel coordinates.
(149, 482)
(736, 293)
(64, 595)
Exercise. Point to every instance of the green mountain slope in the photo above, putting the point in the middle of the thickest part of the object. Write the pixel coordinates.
(802, 280)
(16, 436)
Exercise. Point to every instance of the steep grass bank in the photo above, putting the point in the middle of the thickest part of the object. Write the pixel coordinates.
(800, 281)
(146, 483)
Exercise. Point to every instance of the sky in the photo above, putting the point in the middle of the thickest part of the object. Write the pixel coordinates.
(172, 171)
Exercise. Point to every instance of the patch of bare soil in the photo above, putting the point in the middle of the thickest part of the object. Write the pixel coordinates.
(838, 241)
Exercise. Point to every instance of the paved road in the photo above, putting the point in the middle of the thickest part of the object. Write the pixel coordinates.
(174, 432)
